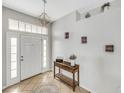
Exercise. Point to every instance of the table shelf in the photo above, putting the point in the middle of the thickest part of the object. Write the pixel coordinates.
(72, 69)
(66, 79)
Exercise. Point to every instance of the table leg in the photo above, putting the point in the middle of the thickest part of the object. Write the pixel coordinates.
(54, 70)
(73, 82)
(78, 77)
(59, 69)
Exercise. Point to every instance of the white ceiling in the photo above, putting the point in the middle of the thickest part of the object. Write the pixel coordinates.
(55, 8)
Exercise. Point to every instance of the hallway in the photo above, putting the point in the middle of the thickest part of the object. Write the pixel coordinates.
(30, 84)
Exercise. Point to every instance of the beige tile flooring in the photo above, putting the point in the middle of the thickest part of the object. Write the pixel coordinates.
(28, 85)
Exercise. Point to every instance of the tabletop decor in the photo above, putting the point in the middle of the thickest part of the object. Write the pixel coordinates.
(73, 57)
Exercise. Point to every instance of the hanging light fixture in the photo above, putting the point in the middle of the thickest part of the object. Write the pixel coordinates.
(44, 18)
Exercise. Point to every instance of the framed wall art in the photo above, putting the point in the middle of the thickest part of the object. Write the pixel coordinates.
(84, 39)
(66, 35)
(109, 48)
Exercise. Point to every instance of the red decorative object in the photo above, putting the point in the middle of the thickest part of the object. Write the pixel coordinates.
(83, 39)
(66, 35)
(109, 48)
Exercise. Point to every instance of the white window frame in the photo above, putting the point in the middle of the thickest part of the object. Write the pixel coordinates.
(39, 29)
(13, 47)
(11, 81)
(44, 53)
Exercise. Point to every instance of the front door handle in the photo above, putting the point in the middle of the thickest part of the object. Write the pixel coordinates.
(22, 59)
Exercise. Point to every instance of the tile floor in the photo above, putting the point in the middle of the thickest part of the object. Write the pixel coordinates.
(28, 85)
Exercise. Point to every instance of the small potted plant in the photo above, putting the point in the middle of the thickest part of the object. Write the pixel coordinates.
(73, 58)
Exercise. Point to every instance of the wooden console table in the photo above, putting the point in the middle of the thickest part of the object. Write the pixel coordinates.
(66, 66)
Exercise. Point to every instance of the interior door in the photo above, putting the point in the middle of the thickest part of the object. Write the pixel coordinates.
(31, 63)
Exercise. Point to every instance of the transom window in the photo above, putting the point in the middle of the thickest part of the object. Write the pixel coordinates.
(26, 27)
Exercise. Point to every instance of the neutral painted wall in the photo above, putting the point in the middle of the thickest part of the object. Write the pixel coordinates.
(8, 13)
(100, 71)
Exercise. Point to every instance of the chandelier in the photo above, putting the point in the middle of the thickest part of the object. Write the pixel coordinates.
(44, 18)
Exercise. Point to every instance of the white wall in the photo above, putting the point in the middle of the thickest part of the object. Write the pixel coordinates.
(100, 71)
(8, 13)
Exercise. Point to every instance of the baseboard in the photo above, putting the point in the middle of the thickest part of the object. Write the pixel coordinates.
(4, 87)
(90, 91)
(46, 70)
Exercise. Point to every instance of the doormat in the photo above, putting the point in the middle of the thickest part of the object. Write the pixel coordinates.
(46, 88)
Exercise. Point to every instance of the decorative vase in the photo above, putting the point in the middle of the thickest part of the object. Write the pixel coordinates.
(72, 62)
(73, 58)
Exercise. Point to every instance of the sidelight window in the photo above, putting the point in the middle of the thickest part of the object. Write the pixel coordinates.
(13, 58)
(44, 53)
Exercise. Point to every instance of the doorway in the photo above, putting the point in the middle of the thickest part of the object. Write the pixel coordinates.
(25, 56)
(31, 63)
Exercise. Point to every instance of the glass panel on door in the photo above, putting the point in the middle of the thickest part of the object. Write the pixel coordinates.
(13, 58)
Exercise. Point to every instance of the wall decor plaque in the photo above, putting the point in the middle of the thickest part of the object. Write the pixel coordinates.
(83, 39)
(109, 48)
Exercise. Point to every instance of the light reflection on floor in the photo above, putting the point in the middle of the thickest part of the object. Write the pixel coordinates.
(28, 85)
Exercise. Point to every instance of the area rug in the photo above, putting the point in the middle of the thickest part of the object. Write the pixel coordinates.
(46, 88)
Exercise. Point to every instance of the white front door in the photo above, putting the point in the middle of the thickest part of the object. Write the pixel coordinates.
(13, 61)
(31, 49)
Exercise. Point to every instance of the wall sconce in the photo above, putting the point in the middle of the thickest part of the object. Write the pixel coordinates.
(109, 48)
(106, 5)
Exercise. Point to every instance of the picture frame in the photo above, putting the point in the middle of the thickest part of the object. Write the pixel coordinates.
(66, 35)
(84, 39)
(109, 48)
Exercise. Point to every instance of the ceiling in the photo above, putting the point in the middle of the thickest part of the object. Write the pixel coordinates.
(54, 8)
